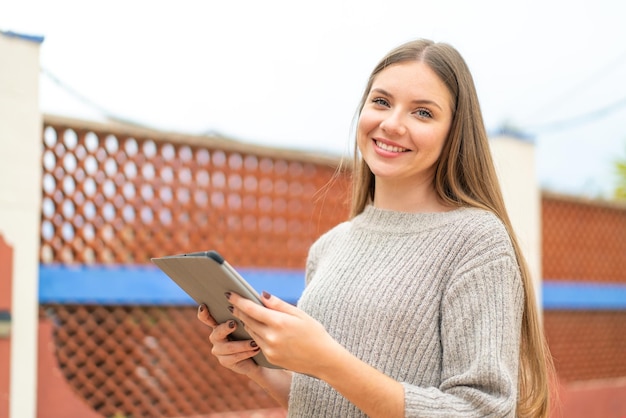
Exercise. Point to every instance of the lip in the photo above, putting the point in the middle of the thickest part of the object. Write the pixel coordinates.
(388, 153)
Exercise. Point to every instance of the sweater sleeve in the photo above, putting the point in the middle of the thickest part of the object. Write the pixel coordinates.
(319, 247)
(481, 313)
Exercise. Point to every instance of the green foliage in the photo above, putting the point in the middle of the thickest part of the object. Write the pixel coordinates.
(620, 169)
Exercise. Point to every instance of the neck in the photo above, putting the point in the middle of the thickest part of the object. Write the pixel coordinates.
(404, 197)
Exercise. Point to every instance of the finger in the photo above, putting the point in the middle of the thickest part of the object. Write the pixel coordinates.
(263, 314)
(222, 331)
(228, 348)
(250, 323)
(245, 309)
(257, 320)
(231, 360)
(277, 304)
(205, 317)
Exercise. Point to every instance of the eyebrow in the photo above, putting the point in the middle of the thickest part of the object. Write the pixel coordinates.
(418, 101)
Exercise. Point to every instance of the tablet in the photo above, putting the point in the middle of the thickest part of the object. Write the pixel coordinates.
(206, 276)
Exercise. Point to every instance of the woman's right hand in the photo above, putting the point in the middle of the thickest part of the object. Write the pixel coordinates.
(234, 355)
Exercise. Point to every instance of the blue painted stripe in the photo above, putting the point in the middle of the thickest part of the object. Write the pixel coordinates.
(583, 296)
(144, 285)
(147, 285)
(32, 38)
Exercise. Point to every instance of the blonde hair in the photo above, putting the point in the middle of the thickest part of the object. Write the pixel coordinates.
(465, 176)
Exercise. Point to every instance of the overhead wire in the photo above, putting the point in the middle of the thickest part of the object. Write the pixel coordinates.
(88, 102)
(570, 122)
(579, 119)
(73, 92)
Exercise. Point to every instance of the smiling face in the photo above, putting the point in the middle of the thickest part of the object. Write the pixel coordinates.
(403, 125)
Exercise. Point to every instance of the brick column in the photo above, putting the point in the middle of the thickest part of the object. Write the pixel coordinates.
(6, 279)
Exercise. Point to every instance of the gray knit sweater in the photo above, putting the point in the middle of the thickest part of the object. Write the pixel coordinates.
(433, 300)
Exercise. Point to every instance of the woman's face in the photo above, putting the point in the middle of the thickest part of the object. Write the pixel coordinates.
(404, 123)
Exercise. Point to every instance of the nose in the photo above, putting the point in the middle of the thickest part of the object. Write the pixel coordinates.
(393, 124)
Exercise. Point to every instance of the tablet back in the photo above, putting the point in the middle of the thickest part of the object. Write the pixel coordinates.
(206, 276)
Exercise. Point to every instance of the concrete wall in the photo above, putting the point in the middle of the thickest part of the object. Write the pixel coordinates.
(20, 207)
(514, 159)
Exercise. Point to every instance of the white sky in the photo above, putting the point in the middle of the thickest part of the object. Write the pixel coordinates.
(290, 73)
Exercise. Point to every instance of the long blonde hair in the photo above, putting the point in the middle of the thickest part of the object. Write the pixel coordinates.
(465, 176)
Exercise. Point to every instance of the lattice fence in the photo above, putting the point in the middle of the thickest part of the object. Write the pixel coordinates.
(147, 362)
(587, 345)
(123, 197)
(585, 241)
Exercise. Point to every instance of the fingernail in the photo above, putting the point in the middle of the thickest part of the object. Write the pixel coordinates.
(266, 295)
(253, 344)
(231, 324)
(231, 309)
(227, 294)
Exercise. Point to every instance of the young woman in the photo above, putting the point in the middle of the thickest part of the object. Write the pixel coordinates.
(420, 305)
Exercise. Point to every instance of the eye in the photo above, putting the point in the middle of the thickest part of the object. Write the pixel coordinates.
(380, 101)
(424, 113)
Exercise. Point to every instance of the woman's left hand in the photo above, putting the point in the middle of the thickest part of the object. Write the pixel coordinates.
(288, 337)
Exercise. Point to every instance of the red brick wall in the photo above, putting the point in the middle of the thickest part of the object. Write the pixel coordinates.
(583, 240)
(597, 399)
(6, 279)
(121, 196)
(587, 345)
(586, 241)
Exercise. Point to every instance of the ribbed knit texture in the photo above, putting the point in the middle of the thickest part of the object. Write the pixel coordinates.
(433, 300)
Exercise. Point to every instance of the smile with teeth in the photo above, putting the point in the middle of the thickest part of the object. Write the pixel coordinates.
(390, 148)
